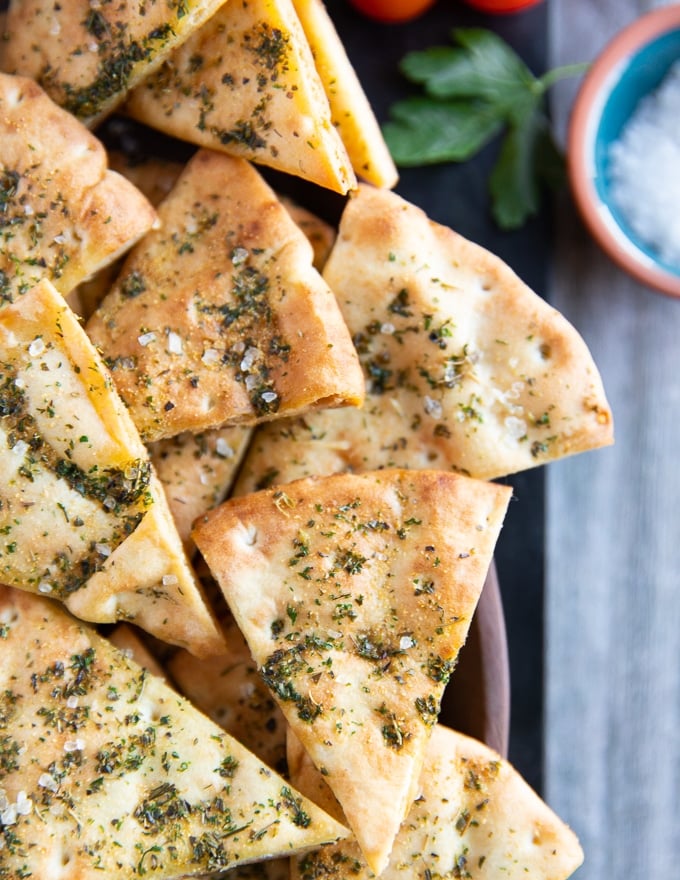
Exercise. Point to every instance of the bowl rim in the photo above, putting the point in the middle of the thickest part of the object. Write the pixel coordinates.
(595, 88)
(476, 701)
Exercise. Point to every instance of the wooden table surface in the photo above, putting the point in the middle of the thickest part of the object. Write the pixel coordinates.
(612, 596)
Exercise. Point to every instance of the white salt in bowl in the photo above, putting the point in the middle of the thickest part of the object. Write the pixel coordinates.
(623, 149)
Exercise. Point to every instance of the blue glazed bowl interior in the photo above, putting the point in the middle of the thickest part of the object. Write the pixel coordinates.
(640, 74)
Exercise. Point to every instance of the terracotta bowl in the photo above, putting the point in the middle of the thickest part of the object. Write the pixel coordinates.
(631, 66)
(477, 698)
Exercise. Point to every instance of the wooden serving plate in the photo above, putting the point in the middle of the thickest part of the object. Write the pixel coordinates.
(477, 698)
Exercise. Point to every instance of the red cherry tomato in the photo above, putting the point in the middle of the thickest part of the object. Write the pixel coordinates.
(392, 10)
(502, 6)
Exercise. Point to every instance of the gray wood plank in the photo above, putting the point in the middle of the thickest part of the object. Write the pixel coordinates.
(612, 746)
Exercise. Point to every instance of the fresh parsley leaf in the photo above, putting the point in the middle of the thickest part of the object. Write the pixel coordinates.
(475, 91)
(424, 133)
(514, 184)
(484, 67)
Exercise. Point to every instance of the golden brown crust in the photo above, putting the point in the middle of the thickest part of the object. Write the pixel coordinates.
(65, 214)
(84, 517)
(474, 817)
(109, 771)
(355, 594)
(351, 111)
(466, 368)
(219, 317)
(246, 84)
(88, 56)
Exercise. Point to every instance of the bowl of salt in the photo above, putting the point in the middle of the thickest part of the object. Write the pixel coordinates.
(623, 149)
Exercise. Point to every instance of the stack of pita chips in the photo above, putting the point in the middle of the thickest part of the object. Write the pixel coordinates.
(252, 79)
(474, 816)
(465, 367)
(63, 213)
(87, 56)
(83, 515)
(219, 316)
(357, 391)
(103, 774)
(355, 594)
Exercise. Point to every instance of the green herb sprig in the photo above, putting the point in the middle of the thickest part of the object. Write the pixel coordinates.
(473, 92)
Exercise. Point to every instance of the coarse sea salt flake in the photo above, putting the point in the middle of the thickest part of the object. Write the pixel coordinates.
(516, 428)
(432, 407)
(36, 347)
(24, 804)
(9, 816)
(223, 449)
(146, 338)
(20, 448)
(174, 343)
(46, 780)
(643, 168)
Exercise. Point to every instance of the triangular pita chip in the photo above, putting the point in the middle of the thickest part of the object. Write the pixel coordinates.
(63, 213)
(88, 55)
(154, 177)
(474, 817)
(230, 690)
(107, 769)
(83, 516)
(219, 316)
(246, 84)
(355, 594)
(197, 471)
(149, 580)
(351, 111)
(466, 368)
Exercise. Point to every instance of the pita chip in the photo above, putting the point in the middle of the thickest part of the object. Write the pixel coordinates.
(154, 178)
(197, 471)
(351, 111)
(246, 83)
(112, 771)
(466, 368)
(474, 816)
(230, 690)
(148, 579)
(321, 235)
(219, 317)
(83, 516)
(87, 56)
(355, 594)
(128, 640)
(63, 213)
